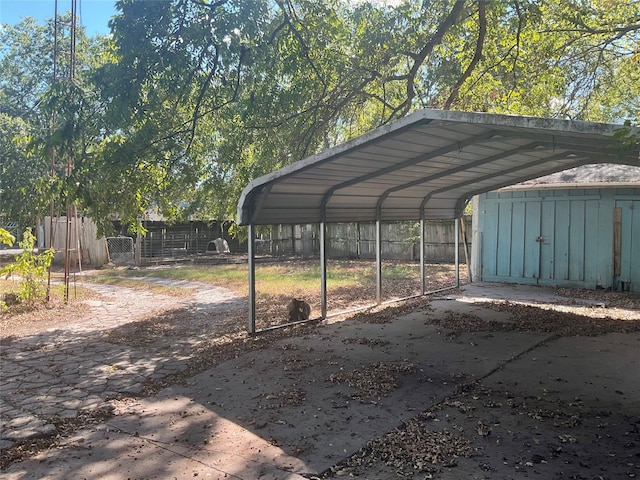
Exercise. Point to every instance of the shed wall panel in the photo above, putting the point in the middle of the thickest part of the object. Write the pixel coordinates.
(577, 219)
(547, 238)
(561, 240)
(518, 230)
(531, 253)
(560, 237)
(629, 277)
(489, 243)
(591, 241)
(504, 240)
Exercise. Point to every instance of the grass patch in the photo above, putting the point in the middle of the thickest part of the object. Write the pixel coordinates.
(271, 278)
(136, 284)
(287, 278)
(233, 277)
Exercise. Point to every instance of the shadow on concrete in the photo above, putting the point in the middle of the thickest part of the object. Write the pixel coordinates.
(307, 399)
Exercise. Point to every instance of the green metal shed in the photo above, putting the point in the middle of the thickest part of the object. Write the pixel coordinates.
(579, 228)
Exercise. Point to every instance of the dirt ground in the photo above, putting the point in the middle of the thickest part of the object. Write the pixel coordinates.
(464, 384)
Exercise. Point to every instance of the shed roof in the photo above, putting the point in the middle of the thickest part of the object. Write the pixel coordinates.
(426, 165)
(593, 175)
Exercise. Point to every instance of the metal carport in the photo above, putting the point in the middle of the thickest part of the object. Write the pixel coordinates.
(425, 166)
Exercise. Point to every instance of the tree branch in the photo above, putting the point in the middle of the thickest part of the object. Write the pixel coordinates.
(477, 55)
(422, 55)
(600, 31)
(212, 6)
(296, 34)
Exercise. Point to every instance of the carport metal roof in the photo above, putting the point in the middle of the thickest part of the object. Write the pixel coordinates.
(426, 166)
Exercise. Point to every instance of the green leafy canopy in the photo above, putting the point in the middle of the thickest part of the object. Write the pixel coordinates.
(189, 100)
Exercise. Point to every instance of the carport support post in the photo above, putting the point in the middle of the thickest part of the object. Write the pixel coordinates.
(323, 270)
(378, 262)
(457, 252)
(422, 259)
(251, 244)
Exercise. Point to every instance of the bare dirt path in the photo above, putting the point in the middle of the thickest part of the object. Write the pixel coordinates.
(123, 305)
(72, 363)
(114, 305)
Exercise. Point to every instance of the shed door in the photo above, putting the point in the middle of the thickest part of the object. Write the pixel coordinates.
(626, 231)
(513, 244)
(542, 241)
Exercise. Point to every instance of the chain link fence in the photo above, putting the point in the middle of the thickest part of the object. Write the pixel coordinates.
(121, 250)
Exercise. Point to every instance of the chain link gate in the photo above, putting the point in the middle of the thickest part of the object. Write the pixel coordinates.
(121, 250)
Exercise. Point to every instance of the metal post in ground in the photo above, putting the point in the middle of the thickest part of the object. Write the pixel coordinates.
(457, 253)
(323, 271)
(251, 243)
(422, 259)
(378, 262)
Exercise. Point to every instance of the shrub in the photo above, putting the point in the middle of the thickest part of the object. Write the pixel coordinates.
(31, 268)
(6, 237)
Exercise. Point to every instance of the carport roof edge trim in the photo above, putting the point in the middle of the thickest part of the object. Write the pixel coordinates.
(259, 189)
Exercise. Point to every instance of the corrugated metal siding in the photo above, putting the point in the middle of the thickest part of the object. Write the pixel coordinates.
(560, 237)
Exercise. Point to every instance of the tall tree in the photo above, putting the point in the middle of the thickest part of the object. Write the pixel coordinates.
(20, 173)
(25, 74)
(191, 99)
(26, 80)
(223, 91)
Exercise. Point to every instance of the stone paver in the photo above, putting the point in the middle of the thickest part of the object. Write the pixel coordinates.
(61, 373)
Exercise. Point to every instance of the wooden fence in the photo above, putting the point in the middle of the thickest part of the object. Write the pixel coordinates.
(399, 240)
(84, 244)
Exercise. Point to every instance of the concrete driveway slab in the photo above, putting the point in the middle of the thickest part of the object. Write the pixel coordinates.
(527, 404)
(600, 371)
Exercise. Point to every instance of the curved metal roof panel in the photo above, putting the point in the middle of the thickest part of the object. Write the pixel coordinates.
(426, 165)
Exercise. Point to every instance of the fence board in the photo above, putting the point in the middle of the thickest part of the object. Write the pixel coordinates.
(400, 240)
